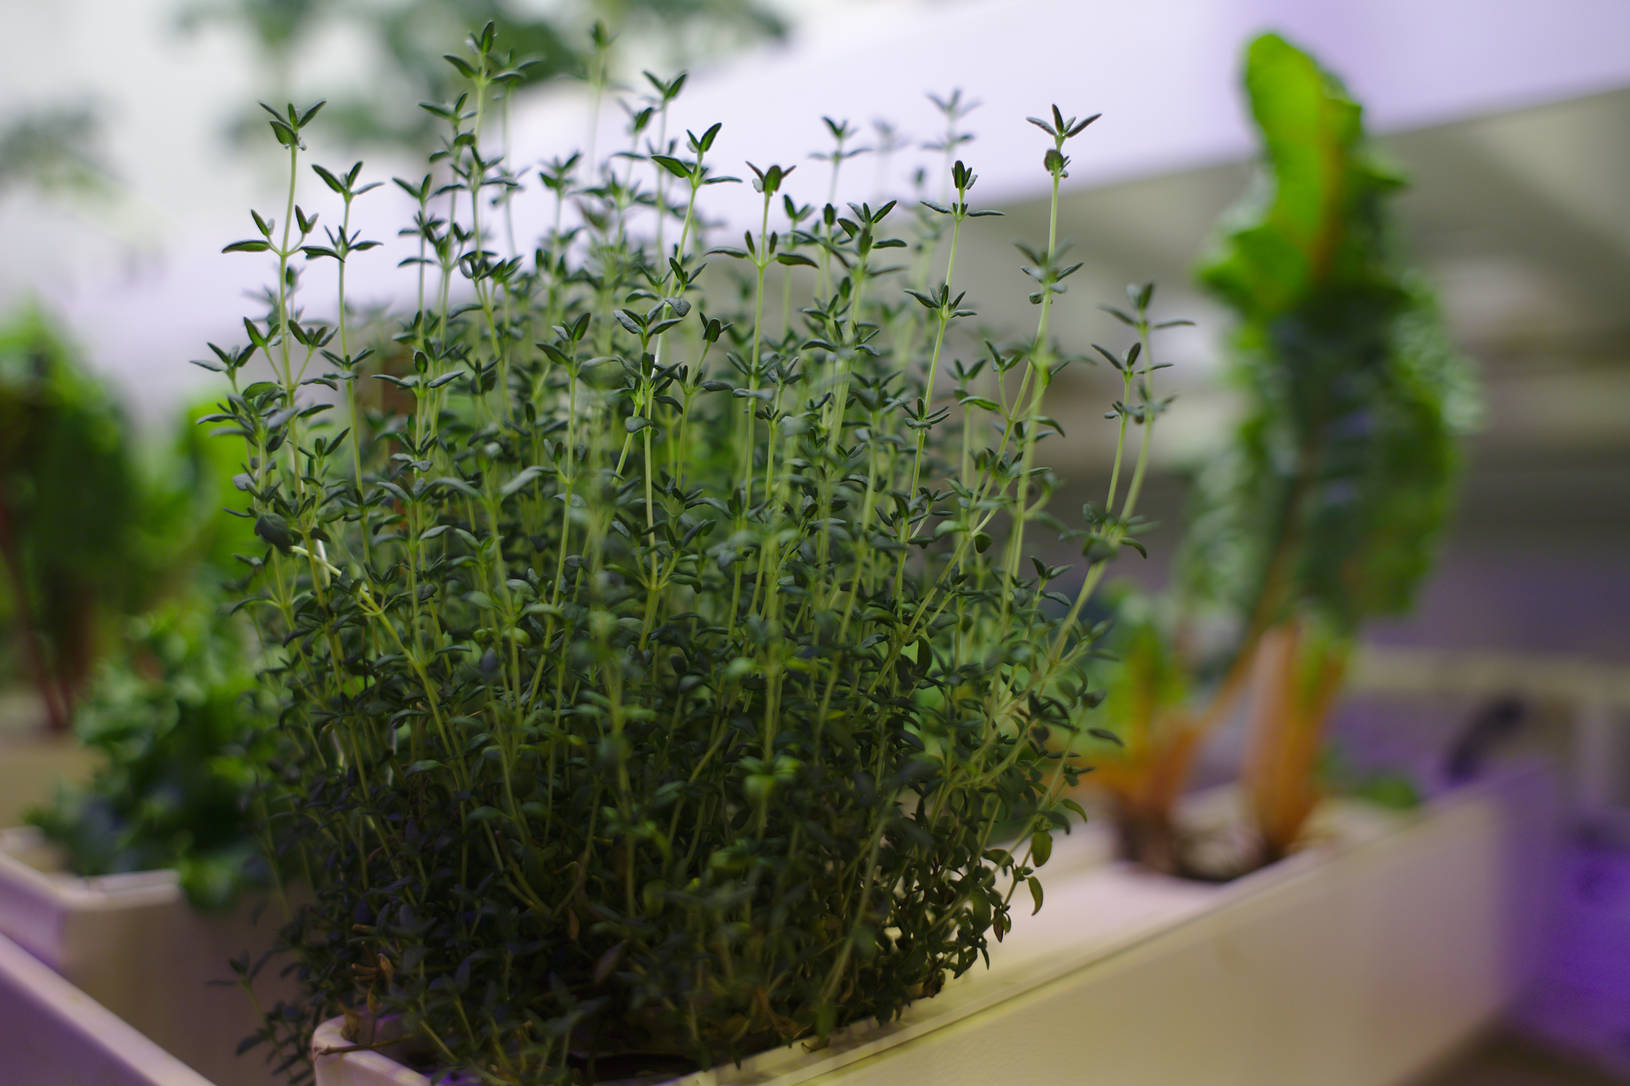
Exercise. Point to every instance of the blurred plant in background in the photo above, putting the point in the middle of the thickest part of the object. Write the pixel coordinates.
(69, 536)
(408, 40)
(116, 551)
(1324, 508)
(51, 150)
(179, 715)
(94, 525)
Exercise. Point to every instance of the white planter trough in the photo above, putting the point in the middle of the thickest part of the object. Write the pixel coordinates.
(133, 945)
(1361, 961)
(53, 1034)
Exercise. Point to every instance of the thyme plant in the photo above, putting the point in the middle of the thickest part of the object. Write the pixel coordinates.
(660, 656)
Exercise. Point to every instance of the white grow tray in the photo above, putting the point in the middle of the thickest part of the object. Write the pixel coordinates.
(135, 946)
(1361, 961)
(53, 1034)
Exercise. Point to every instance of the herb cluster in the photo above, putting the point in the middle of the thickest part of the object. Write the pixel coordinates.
(661, 658)
(405, 40)
(180, 718)
(1354, 396)
(169, 695)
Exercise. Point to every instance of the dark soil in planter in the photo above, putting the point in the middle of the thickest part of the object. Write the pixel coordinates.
(632, 1068)
(1215, 855)
(619, 1069)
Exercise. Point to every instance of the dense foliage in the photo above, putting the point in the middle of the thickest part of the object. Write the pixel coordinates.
(661, 655)
(69, 510)
(400, 45)
(178, 715)
(1325, 506)
(170, 700)
(97, 522)
(1353, 395)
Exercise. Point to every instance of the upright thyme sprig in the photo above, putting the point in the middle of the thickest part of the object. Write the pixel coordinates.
(1050, 274)
(944, 308)
(341, 244)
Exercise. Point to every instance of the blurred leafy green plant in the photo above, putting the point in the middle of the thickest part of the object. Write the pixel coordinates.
(94, 524)
(51, 151)
(69, 510)
(179, 717)
(97, 528)
(410, 39)
(1325, 508)
(1340, 775)
(190, 484)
